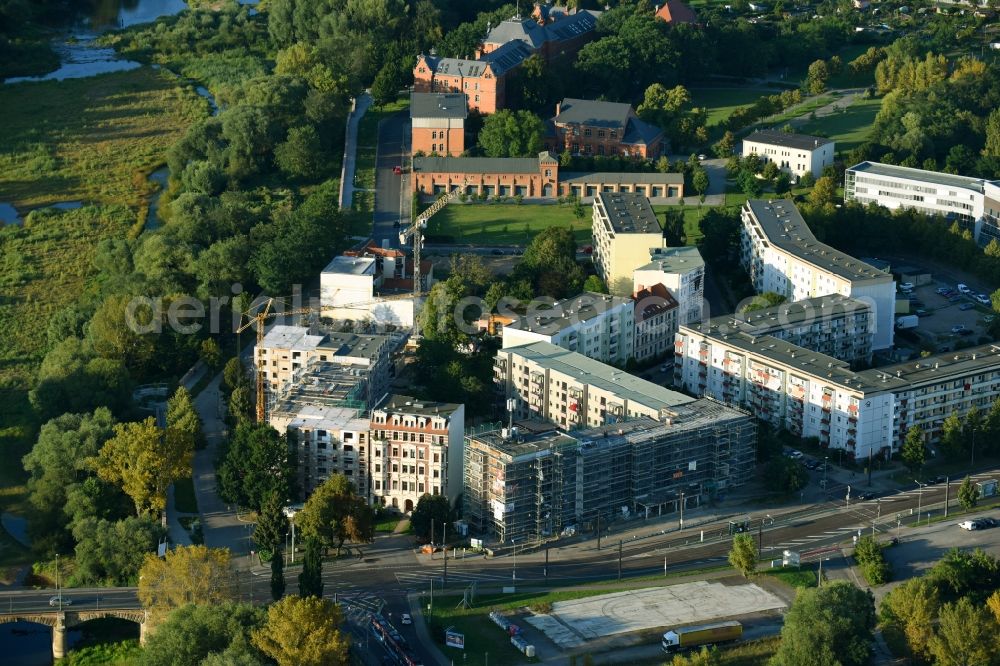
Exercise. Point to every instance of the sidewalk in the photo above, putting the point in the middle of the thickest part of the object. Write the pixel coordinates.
(361, 104)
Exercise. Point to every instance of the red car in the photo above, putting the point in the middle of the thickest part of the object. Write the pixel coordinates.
(588, 249)
(397, 170)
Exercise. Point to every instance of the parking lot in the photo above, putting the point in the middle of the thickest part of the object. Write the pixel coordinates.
(939, 314)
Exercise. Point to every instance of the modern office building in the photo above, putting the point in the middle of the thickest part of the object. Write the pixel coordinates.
(782, 256)
(599, 326)
(972, 202)
(624, 230)
(416, 449)
(526, 488)
(815, 395)
(682, 271)
(795, 154)
(573, 391)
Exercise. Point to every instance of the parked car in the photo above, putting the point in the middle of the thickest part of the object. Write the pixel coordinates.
(963, 289)
(702, 158)
(989, 522)
(944, 291)
(966, 306)
(983, 299)
(920, 312)
(866, 496)
(496, 251)
(664, 368)
(397, 170)
(906, 286)
(969, 525)
(957, 328)
(812, 464)
(940, 479)
(953, 298)
(405, 619)
(794, 455)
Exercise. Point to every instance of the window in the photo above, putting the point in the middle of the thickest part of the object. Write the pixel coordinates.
(434, 135)
(436, 474)
(395, 467)
(587, 132)
(395, 451)
(420, 470)
(420, 489)
(436, 491)
(378, 485)
(477, 98)
(600, 134)
(420, 453)
(548, 173)
(437, 457)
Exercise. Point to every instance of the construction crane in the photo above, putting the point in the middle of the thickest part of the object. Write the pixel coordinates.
(257, 315)
(415, 234)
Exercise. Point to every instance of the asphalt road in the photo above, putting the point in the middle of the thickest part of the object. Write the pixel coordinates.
(391, 201)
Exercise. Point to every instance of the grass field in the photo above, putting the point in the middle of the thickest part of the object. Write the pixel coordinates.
(849, 128)
(793, 577)
(692, 220)
(803, 109)
(751, 653)
(505, 224)
(93, 139)
(721, 102)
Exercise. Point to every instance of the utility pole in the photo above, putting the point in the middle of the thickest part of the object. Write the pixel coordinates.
(947, 489)
(682, 512)
(598, 531)
(760, 539)
(619, 559)
(546, 569)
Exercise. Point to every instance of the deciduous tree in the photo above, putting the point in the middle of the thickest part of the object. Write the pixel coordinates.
(335, 513)
(966, 634)
(430, 508)
(743, 554)
(968, 494)
(187, 575)
(509, 133)
(256, 463)
(303, 632)
(183, 422)
(144, 463)
(272, 525)
(111, 553)
(193, 632)
(827, 626)
(914, 452)
(311, 577)
(911, 610)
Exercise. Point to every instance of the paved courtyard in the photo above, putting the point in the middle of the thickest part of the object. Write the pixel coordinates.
(572, 623)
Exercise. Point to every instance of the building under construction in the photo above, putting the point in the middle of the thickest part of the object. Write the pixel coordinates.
(526, 488)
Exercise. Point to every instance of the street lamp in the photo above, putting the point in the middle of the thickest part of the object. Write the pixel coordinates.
(513, 575)
(819, 579)
(826, 464)
(920, 498)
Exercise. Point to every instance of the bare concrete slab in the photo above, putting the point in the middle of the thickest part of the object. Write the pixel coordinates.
(571, 623)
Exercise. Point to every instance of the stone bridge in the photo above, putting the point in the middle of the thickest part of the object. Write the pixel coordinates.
(60, 621)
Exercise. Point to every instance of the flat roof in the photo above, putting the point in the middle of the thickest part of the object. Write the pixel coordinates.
(568, 312)
(350, 265)
(599, 375)
(761, 322)
(438, 105)
(339, 343)
(323, 385)
(628, 213)
(673, 259)
(282, 336)
(404, 404)
(620, 177)
(897, 377)
(321, 417)
(909, 173)
(787, 139)
(785, 229)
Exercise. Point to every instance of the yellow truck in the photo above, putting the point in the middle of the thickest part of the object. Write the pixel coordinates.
(687, 638)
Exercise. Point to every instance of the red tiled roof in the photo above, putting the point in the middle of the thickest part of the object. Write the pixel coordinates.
(652, 300)
(675, 11)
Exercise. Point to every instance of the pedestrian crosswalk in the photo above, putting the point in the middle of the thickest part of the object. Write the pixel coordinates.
(420, 578)
(362, 603)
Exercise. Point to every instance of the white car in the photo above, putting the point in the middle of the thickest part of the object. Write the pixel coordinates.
(906, 286)
(405, 618)
(963, 289)
(957, 328)
(969, 525)
(794, 455)
(54, 601)
(983, 299)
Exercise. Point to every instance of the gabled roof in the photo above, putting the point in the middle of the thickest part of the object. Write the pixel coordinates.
(507, 57)
(593, 113)
(476, 164)
(529, 32)
(639, 132)
(675, 11)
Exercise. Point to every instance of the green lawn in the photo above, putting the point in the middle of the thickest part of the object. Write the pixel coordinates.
(807, 107)
(721, 102)
(692, 220)
(793, 577)
(505, 224)
(848, 128)
(387, 524)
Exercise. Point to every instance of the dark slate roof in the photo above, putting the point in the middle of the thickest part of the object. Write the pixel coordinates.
(457, 66)
(507, 57)
(572, 26)
(621, 177)
(592, 112)
(639, 132)
(788, 140)
(476, 164)
(438, 105)
(527, 31)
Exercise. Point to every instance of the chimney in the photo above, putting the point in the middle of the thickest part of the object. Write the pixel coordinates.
(558, 107)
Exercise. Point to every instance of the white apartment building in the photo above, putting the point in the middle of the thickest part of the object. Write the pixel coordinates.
(655, 323)
(573, 391)
(834, 325)
(782, 256)
(416, 450)
(682, 271)
(814, 395)
(795, 154)
(956, 198)
(599, 326)
(287, 351)
(624, 229)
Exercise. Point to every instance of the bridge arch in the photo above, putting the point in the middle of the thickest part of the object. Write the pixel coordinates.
(60, 621)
